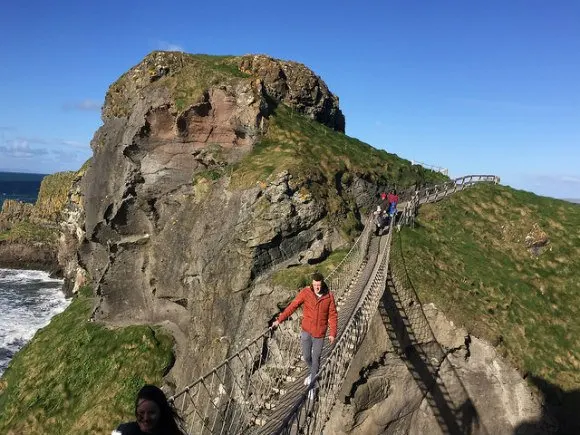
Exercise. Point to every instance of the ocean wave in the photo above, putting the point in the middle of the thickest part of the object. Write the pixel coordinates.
(28, 300)
(18, 275)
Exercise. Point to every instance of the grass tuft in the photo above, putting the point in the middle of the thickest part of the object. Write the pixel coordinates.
(299, 276)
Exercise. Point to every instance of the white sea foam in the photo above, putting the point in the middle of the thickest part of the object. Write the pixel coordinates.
(16, 275)
(28, 300)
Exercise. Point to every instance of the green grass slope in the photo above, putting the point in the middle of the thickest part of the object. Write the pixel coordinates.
(473, 255)
(317, 157)
(324, 162)
(308, 149)
(76, 377)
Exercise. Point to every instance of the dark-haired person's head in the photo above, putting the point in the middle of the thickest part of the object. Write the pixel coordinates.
(318, 284)
(153, 413)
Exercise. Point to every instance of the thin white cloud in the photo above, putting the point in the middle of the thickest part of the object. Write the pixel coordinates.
(65, 155)
(20, 149)
(548, 179)
(51, 142)
(570, 179)
(28, 147)
(168, 46)
(74, 143)
(86, 105)
(566, 185)
(34, 140)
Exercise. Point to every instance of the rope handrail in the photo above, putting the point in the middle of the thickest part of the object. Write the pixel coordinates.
(238, 393)
(338, 282)
(267, 331)
(432, 167)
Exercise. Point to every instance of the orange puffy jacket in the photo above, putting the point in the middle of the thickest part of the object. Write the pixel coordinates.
(319, 313)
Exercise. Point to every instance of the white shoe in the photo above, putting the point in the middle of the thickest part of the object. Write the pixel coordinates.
(311, 394)
(307, 380)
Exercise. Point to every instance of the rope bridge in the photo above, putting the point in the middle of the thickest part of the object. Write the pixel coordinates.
(259, 389)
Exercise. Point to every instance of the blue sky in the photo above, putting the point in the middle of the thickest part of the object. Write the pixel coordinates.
(474, 86)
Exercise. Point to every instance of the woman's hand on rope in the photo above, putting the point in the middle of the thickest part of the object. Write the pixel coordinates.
(274, 325)
(331, 339)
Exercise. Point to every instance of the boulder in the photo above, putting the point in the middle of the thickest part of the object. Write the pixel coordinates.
(297, 86)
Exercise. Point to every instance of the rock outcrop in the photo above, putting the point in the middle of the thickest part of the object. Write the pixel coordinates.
(536, 240)
(297, 86)
(28, 255)
(166, 238)
(72, 233)
(14, 211)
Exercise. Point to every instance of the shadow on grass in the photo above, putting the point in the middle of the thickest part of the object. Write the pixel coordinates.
(561, 411)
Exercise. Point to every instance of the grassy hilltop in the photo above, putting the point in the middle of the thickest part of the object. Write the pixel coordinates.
(506, 264)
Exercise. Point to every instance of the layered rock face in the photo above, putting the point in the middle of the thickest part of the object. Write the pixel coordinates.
(72, 233)
(164, 241)
(296, 85)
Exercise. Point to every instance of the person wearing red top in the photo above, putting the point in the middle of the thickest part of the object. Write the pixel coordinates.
(393, 199)
(384, 204)
(319, 314)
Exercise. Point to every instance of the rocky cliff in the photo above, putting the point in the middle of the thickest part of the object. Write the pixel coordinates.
(207, 173)
(29, 233)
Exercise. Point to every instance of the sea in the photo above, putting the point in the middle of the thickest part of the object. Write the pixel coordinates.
(28, 298)
(21, 186)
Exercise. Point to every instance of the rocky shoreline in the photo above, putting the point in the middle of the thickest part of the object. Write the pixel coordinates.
(28, 256)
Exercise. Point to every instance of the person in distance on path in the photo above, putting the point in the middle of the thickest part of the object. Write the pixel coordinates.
(319, 314)
(393, 199)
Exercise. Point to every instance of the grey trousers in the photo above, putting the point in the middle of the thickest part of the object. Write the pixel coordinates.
(311, 349)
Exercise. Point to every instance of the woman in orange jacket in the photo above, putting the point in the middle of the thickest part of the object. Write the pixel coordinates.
(319, 313)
